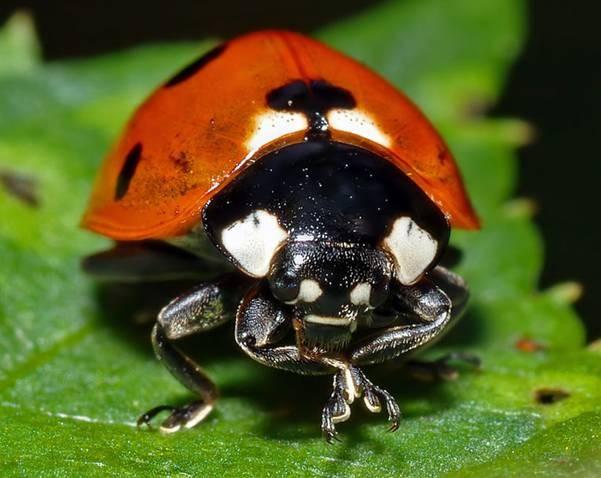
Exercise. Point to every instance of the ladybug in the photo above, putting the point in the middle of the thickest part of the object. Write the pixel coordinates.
(305, 190)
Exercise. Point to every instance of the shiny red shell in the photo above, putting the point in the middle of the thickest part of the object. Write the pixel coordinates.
(195, 133)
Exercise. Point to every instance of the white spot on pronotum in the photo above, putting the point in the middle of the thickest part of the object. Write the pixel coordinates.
(253, 241)
(413, 249)
(272, 125)
(360, 294)
(359, 123)
(309, 291)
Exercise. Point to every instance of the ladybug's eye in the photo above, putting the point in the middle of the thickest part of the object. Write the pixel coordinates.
(285, 289)
(379, 292)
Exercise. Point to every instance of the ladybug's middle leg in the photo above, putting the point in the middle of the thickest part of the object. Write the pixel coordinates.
(191, 376)
(201, 309)
(455, 287)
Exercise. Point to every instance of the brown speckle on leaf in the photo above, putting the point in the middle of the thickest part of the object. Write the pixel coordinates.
(548, 396)
(528, 345)
(22, 187)
(475, 108)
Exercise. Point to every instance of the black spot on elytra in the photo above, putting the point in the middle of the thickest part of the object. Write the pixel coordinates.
(127, 171)
(313, 98)
(443, 155)
(196, 66)
(548, 396)
(315, 95)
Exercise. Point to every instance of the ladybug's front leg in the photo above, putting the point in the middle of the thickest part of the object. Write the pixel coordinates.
(455, 287)
(261, 323)
(436, 302)
(429, 304)
(199, 310)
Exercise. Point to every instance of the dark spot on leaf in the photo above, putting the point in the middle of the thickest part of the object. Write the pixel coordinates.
(475, 108)
(548, 396)
(196, 66)
(528, 345)
(22, 187)
(127, 171)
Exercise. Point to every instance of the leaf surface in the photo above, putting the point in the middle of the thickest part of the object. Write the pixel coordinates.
(74, 375)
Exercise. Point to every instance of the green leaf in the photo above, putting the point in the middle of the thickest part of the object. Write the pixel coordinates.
(74, 374)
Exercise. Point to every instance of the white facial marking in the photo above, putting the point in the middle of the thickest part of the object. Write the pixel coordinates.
(272, 125)
(253, 241)
(309, 291)
(319, 319)
(412, 247)
(360, 294)
(359, 123)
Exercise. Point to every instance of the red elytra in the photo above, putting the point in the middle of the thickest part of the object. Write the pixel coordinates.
(193, 136)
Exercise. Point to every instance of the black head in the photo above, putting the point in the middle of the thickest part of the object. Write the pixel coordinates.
(330, 285)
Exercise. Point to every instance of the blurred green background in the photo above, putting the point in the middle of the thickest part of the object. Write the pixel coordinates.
(555, 85)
